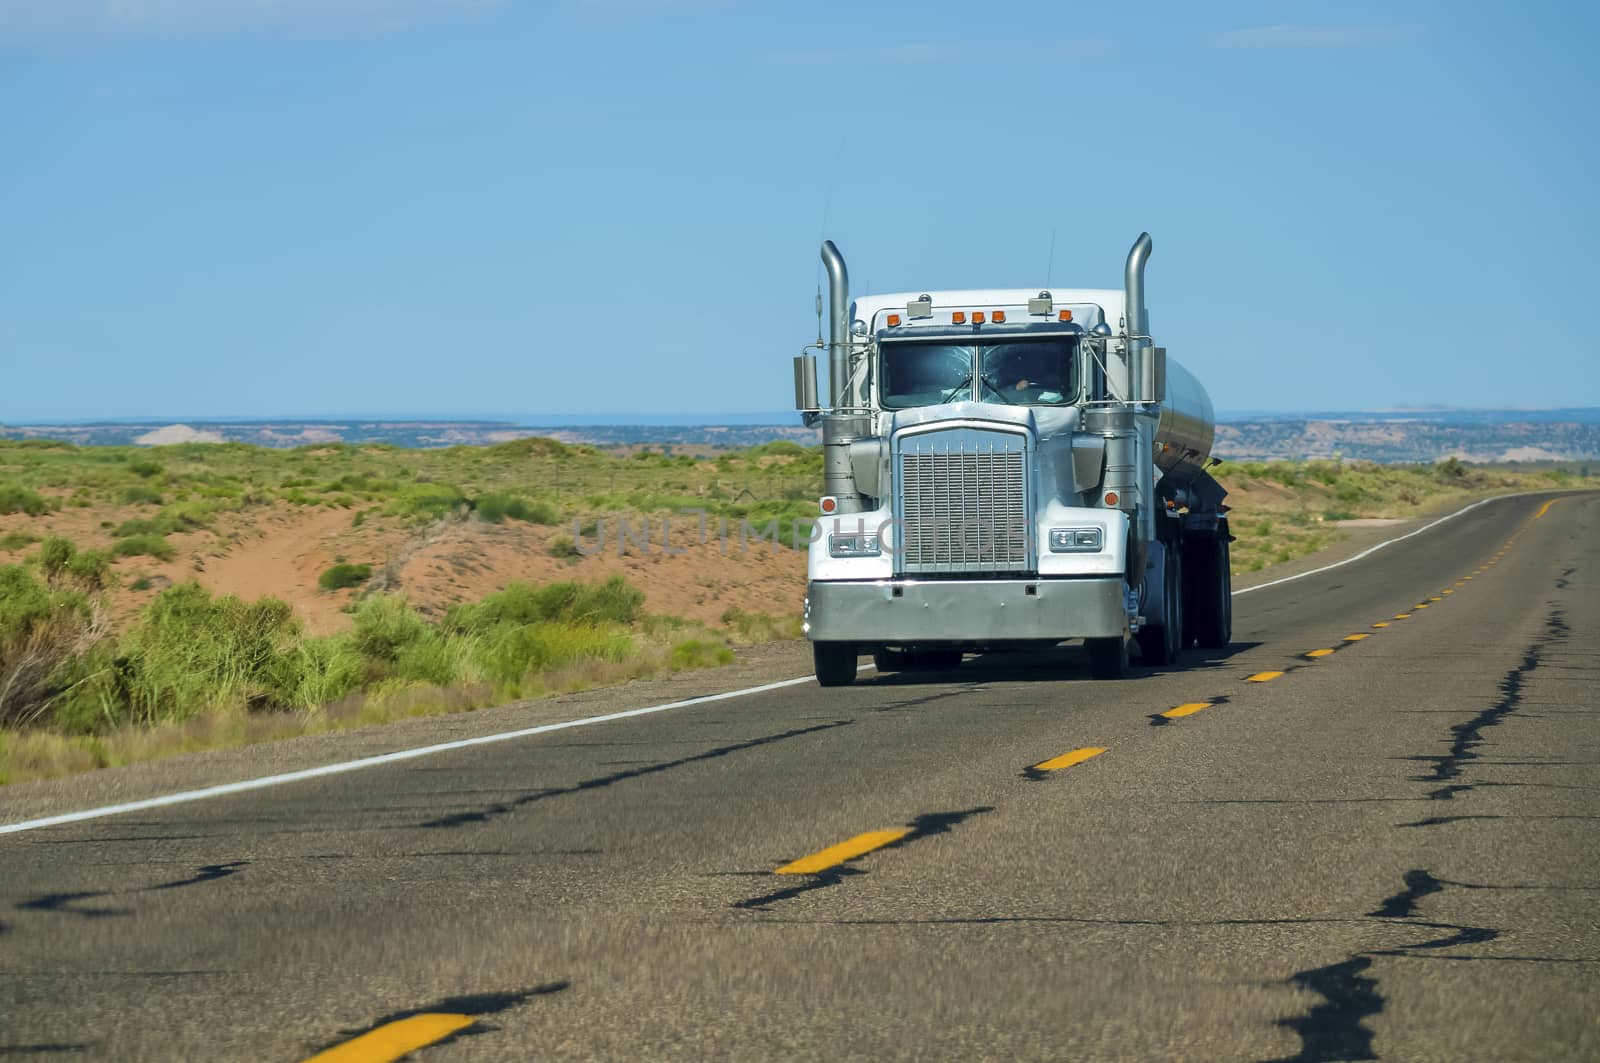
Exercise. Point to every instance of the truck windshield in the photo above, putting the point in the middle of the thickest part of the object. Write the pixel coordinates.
(1030, 372)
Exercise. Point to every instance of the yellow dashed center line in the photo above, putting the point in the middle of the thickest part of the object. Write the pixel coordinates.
(1262, 677)
(860, 845)
(1447, 591)
(1545, 508)
(1420, 605)
(1067, 760)
(393, 1040)
(1402, 616)
(1188, 708)
(1436, 598)
(1358, 638)
(1381, 623)
(1319, 653)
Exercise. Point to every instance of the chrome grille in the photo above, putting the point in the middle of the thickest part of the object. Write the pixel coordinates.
(963, 503)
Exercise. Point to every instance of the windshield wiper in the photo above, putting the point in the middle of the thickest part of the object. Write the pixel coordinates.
(966, 382)
(984, 380)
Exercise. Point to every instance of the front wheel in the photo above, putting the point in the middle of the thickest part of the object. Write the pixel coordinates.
(1108, 658)
(1160, 644)
(835, 663)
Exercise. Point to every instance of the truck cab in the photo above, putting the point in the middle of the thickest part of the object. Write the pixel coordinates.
(1006, 468)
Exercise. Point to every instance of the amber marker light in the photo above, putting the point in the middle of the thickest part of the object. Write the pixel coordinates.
(828, 504)
(998, 317)
(1111, 498)
(977, 317)
(894, 319)
(959, 317)
(1065, 315)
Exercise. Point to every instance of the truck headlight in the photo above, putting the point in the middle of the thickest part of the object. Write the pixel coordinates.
(854, 544)
(1076, 540)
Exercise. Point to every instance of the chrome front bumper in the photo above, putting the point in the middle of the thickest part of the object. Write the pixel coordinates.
(889, 612)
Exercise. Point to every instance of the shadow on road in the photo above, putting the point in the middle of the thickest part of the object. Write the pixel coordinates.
(1048, 666)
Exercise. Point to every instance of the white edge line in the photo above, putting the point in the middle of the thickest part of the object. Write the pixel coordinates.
(1374, 549)
(265, 781)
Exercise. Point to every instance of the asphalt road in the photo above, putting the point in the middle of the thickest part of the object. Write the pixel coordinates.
(1386, 852)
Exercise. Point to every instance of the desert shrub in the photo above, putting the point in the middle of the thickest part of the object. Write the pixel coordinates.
(139, 526)
(612, 602)
(699, 653)
(64, 566)
(532, 447)
(45, 637)
(140, 495)
(760, 627)
(326, 669)
(146, 469)
(14, 498)
(148, 545)
(497, 506)
(344, 575)
(563, 546)
(385, 626)
(141, 584)
(514, 651)
(17, 540)
(191, 653)
(427, 500)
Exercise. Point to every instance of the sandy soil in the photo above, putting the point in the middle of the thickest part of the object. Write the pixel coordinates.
(281, 551)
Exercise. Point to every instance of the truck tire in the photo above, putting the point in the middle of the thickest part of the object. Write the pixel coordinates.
(1160, 644)
(1108, 658)
(835, 663)
(1209, 586)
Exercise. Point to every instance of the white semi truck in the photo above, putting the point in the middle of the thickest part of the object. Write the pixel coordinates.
(1007, 469)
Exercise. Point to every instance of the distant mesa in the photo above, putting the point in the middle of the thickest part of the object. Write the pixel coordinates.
(176, 433)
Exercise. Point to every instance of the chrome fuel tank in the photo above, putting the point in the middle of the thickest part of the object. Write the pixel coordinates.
(1187, 429)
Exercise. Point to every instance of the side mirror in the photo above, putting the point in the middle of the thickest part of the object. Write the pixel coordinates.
(805, 383)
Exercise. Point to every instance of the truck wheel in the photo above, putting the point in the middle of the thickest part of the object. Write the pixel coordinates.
(1160, 644)
(1108, 658)
(835, 663)
(1210, 583)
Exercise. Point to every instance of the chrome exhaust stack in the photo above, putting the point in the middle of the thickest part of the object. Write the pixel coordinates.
(846, 420)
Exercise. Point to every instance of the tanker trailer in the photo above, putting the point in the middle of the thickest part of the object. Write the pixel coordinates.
(1008, 469)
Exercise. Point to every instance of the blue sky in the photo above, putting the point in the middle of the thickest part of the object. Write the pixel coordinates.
(217, 208)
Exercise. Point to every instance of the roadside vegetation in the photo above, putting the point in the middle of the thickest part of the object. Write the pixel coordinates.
(195, 670)
(1284, 510)
(111, 652)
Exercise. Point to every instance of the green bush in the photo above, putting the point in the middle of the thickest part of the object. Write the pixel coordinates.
(509, 653)
(344, 575)
(140, 495)
(190, 653)
(385, 626)
(497, 506)
(427, 500)
(14, 498)
(698, 653)
(146, 469)
(45, 635)
(17, 540)
(612, 602)
(149, 545)
(563, 546)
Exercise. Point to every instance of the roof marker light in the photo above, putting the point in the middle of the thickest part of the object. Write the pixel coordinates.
(1065, 315)
(998, 317)
(894, 319)
(958, 317)
(977, 317)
